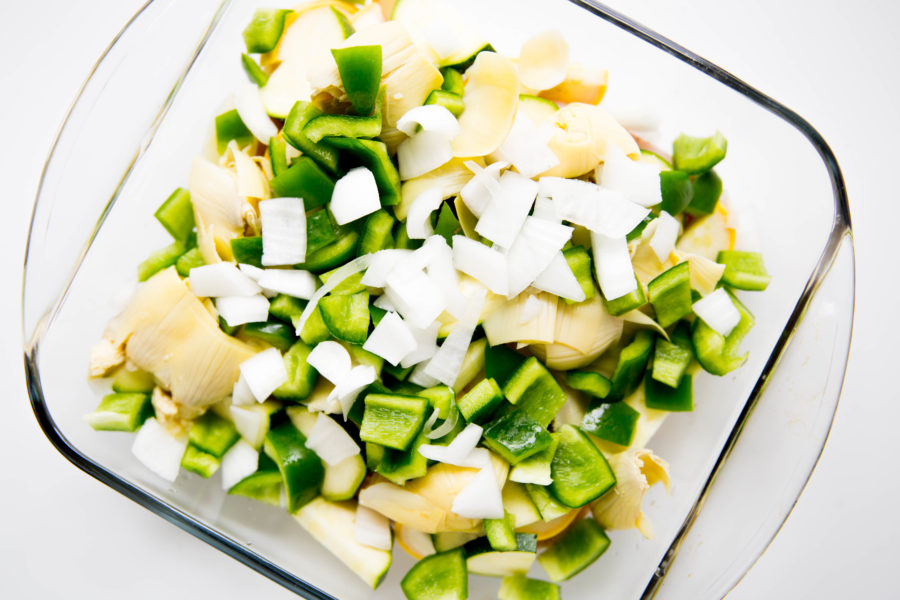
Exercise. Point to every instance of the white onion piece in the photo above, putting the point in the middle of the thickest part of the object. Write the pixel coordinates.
(381, 264)
(533, 251)
(157, 450)
(418, 219)
(239, 462)
(384, 303)
(485, 264)
(241, 394)
(442, 39)
(421, 378)
(253, 113)
(431, 117)
(251, 423)
(613, 265)
(718, 311)
(416, 296)
(664, 237)
(530, 310)
(479, 190)
(283, 223)
(463, 444)
(636, 180)
(221, 279)
(481, 498)
(331, 360)
(445, 427)
(237, 310)
(477, 458)
(441, 270)
(559, 279)
(330, 441)
(347, 390)
(583, 203)
(426, 345)
(545, 208)
(447, 361)
(429, 424)
(251, 271)
(423, 152)
(391, 339)
(371, 528)
(506, 212)
(351, 268)
(293, 282)
(264, 372)
(526, 147)
(355, 195)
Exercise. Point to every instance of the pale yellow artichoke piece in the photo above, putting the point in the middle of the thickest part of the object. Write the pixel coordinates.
(503, 322)
(706, 236)
(218, 208)
(411, 509)
(644, 260)
(490, 97)
(582, 84)
(583, 132)
(408, 86)
(587, 326)
(705, 273)
(641, 319)
(636, 470)
(449, 178)
(543, 60)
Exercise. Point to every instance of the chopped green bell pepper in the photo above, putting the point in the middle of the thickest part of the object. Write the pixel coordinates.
(579, 470)
(373, 155)
(695, 155)
(301, 470)
(448, 100)
(677, 191)
(515, 436)
(160, 259)
(589, 382)
(254, 71)
(265, 29)
(479, 403)
(189, 260)
(301, 113)
(275, 334)
(660, 396)
(213, 434)
(579, 260)
(453, 81)
(707, 191)
(247, 250)
(120, 412)
(176, 214)
(229, 126)
(718, 354)
(630, 301)
(614, 422)
(392, 421)
(360, 71)
(744, 270)
(670, 362)
(304, 179)
(670, 294)
(630, 366)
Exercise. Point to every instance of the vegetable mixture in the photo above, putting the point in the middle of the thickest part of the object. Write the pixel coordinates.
(429, 293)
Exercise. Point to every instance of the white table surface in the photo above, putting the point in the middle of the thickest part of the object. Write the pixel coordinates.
(64, 535)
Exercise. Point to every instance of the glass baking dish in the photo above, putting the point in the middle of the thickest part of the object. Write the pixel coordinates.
(739, 461)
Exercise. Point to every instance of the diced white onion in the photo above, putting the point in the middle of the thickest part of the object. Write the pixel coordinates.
(423, 152)
(237, 310)
(239, 462)
(264, 372)
(416, 296)
(381, 264)
(559, 279)
(613, 265)
(347, 390)
(426, 345)
(441, 270)
(371, 528)
(545, 208)
(421, 378)
(253, 113)
(157, 450)
(447, 361)
(429, 424)
(463, 444)
(283, 222)
(221, 279)
(485, 184)
(355, 196)
(533, 251)
(481, 498)
(638, 181)
(418, 219)
(331, 360)
(601, 210)
(384, 303)
(251, 271)
(445, 427)
(391, 339)
(664, 237)
(526, 147)
(351, 268)
(251, 422)
(484, 264)
(293, 282)
(506, 212)
(330, 441)
(241, 394)
(431, 117)
(718, 311)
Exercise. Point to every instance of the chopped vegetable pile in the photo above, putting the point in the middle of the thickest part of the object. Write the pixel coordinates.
(429, 293)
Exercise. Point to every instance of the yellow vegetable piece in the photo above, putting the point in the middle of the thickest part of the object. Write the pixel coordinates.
(636, 470)
(706, 236)
(549, 529)
(414, 542)
(449, 178)
(504, 323)
(490, 97)
(583, 132)
(582, 84)
(544, 60)
(218, 208)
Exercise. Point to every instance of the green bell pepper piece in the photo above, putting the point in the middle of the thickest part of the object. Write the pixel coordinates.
(373, 155)
(630, 301)
(301, 375)
(304, 179)
(500, 362)
(670, 294)
(229, 126)
(660, 396)
(302, 113)
(136, 381)
(515, 436)
(589, 382)
(718, 354)
(377, 233)
(197, 461)
(535, 391)
(575, 550)
(265, 29)
(176, 214)
(579, 260)
(254, 71)
(744, 270)
(615, 422)
(347, 317)
(447, 224)
(321, 230)
(448, 100)
(630, 366)
(392, 421)
(275, 334)
(670, 361)
(677, 191)
(695, 155)
(120, 412)
(477, 404)
(314, 330)
(247, 250)
(286, 308)
(453, 81)
(333, 255)
(278, 155)
(213, 434)
(189, 260)
(301, 470)
(707, 191)
(360, 71)
(579, 470)
(160, 259)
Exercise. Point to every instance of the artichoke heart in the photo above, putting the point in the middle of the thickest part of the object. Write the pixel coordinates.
(449, 178)
(582, 133)
(218, 209)
(167, 331)
(491, 98)
(583, 331)
(636, 470)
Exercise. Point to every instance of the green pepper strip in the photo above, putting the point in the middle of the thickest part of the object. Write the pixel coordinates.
(254, 71)
(301, 114)
(229, 126)
(176, 214)
(448, 100)
(697, 155)
(360, 70)
(265, 29)
(304, 179)
(718, 354)
(374, 155)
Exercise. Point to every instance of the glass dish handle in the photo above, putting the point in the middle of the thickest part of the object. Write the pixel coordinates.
(87, 164)
(755, 489)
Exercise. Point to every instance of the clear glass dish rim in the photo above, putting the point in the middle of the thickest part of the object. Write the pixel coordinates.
(841, 228)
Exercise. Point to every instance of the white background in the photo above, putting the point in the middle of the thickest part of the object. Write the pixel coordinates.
(64, 535)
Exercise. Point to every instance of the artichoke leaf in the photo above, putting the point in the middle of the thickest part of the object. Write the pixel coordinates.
(491, 97)
(636, 471)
